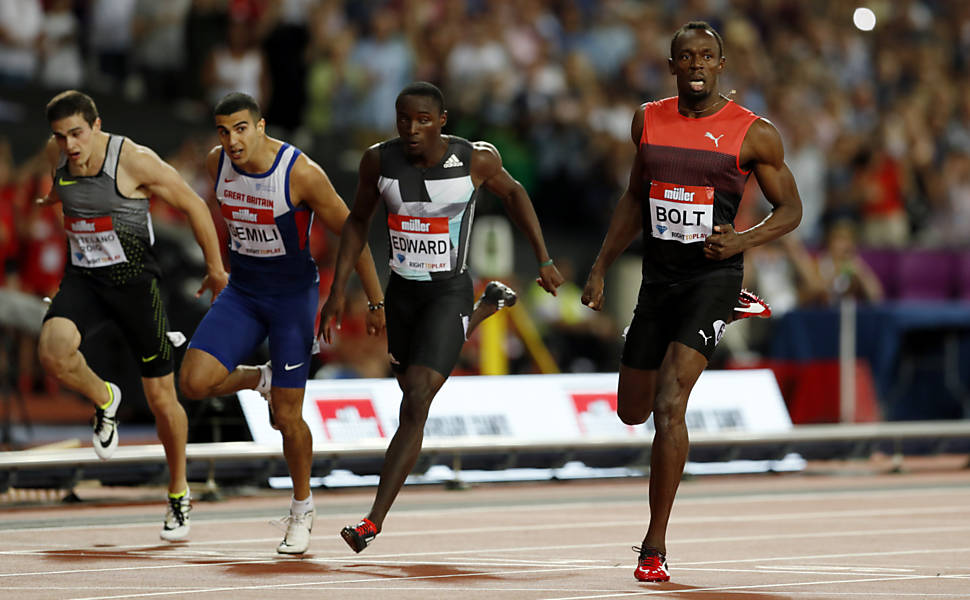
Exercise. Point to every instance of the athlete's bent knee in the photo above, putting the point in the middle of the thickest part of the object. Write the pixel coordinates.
(414, 409)
(632, 417)
(193, 386)
(288, 421)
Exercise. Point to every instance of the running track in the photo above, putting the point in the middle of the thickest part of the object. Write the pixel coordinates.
(838, 531)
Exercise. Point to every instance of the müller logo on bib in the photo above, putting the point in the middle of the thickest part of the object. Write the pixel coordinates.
(90, 225)
(420, 243)
(681, 213)
(418, 224)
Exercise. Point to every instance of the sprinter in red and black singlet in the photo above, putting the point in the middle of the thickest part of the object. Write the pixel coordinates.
(694, 154)
(428, 183)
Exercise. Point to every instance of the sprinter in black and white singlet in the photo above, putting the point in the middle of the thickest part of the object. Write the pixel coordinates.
(268, 192)
(103, 183)
(428, 184)
(429, 211)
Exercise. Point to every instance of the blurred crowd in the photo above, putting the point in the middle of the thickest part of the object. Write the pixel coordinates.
(876, 124)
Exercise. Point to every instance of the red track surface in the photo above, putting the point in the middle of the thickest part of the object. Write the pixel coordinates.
(838, 531)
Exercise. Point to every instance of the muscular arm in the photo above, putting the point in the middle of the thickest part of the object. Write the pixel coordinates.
(155, 177)
(353, 238)
(625, 224)
(763, 151)
(487, 168)
(311, 186)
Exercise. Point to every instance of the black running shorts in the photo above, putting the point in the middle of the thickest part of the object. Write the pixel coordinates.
(135, 307)
(694, 313)
(426, 321)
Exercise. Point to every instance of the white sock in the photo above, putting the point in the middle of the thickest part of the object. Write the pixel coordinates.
(298, 507)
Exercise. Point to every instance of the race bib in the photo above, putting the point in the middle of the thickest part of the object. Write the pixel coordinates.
(93, 242)
(253, 231)
(683, 213)
(420, 243)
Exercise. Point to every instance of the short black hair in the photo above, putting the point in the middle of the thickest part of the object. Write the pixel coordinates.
(70, 103)
(234, 102)
(697, 25)
(423, 88)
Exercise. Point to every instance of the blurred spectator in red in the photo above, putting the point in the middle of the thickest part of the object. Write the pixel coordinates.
(877, 189)
(10, 193)
(42, 250)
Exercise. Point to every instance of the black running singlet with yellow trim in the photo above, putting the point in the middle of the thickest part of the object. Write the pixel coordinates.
(109, 235)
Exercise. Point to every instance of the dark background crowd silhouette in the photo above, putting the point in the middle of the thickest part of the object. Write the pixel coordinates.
(876, 126)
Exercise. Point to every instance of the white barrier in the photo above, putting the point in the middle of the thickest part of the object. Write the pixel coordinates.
(534, 408)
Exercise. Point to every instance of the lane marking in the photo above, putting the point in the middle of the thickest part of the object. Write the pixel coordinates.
(760, 586)
(795, 516)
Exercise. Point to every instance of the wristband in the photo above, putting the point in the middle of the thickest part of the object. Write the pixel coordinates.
(373, 307)
(546, 263)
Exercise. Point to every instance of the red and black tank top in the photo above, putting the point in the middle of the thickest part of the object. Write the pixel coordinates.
(692, 180)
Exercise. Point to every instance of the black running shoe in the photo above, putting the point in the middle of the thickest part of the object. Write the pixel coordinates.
(499, 294)
(360, 535)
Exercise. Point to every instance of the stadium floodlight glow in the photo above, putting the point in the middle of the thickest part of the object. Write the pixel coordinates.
(864, 19)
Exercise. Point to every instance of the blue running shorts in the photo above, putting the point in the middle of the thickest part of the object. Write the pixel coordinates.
(238, 322)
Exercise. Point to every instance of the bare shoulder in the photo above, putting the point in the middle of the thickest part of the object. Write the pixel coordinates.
(636, 127)
(486, 147)
(370, 161)
(486, 160)
(140, 161)
(304, 166)
(762, 143)
(212, 156)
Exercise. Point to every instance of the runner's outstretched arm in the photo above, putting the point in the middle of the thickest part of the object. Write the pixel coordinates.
(487, 164)
(626, 223)
(763, 151)
(353, 238)
(311, 186)
(158, 178)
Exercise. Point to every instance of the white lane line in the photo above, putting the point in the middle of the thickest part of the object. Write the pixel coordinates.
(787, 516)
(830, 556)
(200, 546)
(922, 494)
(369, 580)
(830, 568)
(749, 588)
(382, 559)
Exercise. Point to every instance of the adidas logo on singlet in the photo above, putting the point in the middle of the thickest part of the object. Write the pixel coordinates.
(453, 162)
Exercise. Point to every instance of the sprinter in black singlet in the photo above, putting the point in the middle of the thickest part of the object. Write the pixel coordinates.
(694, 154)
(428, 183)
(104, 183)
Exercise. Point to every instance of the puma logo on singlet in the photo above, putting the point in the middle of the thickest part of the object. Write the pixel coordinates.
(717, 139)
(703, 335)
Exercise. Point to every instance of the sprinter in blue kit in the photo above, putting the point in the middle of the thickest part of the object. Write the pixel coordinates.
(269, 192)
(428, 183)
